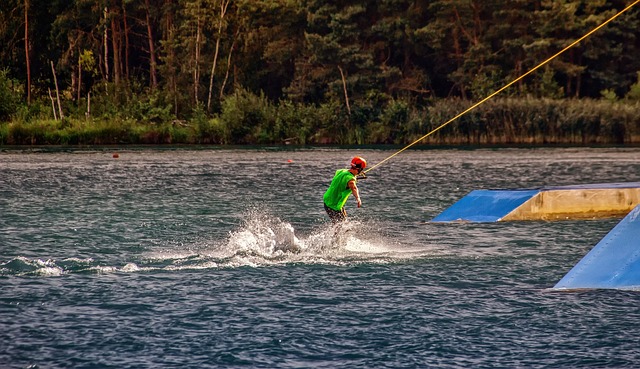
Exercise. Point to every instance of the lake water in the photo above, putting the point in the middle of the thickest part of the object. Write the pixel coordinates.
(224, 258)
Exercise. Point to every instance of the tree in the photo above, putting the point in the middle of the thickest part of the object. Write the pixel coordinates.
(337, 57)
(27, 48)
(610, 56)
(153, 63)
(397, 49)
(76, 33)
(356, 56)
(443, 32)
(224, 5)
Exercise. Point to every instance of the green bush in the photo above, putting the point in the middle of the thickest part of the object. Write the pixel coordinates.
(207, 131)
(149, 109)
(331, 124)
(634, 91)
(211, 131)
(8, 97)
(393, 123)
(248, 118)
(531, 121)
(4, 133)
(35, 133)
(36, 111)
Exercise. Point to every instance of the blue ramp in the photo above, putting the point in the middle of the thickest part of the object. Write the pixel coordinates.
(613, 263)
(485, 205)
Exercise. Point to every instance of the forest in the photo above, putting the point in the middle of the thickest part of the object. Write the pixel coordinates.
(90, 72)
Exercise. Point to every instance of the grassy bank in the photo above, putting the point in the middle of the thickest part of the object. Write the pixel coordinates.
(250, 119)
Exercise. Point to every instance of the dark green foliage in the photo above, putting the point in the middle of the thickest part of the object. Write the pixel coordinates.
(248, 118)
(317, 71)
(634, 90)
(8, 98)
(252, 118)
(539, 122)
(296, 123)
(208, 131)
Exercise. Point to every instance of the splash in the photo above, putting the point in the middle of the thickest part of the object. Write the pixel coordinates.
(264, 239)
(22, 266)
(264, 235)
(261, 240)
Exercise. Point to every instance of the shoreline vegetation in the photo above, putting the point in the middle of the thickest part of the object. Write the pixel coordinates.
(249, 119)
(277, 72)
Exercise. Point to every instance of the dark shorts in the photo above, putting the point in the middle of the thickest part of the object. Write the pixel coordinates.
(335, 215)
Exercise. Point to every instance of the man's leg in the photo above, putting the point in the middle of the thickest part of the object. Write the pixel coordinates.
(334, 215)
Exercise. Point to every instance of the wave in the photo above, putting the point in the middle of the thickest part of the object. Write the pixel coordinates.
(46, 268)
(262, 240)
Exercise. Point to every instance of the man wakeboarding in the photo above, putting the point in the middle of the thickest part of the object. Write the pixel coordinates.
(342, 185)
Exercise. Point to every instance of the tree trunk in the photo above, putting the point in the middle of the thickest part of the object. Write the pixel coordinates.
(126, 41)
(196, 68)
(223, 10)
(153, 74)
(115, 42)
(53, 105)
(79, 79)
(26, 49)
(213, 71)
(168, 36)
(106, 46)
(75, 86)
(578, 78)
(226, 75)
(87, 114)
(55, 79)
(344, 87)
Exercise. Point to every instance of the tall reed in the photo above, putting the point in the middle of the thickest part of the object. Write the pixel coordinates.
(250, 119)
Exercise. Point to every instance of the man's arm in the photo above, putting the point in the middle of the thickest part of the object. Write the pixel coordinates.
(354, 190)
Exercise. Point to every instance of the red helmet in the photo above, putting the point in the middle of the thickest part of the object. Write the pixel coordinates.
(358, 163)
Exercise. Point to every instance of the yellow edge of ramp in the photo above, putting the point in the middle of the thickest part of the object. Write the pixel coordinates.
(579, 202)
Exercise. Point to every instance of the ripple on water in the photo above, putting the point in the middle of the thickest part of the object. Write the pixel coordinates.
(224, 258)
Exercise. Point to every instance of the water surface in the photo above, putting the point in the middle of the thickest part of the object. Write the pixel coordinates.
(212, 258)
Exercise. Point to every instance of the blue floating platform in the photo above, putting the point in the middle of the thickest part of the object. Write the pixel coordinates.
(588, 201)
(485, 205)
(613, 263)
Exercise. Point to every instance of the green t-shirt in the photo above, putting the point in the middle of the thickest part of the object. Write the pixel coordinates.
(338, 192)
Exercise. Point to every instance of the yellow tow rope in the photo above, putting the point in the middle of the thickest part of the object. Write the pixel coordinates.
(505, 86)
